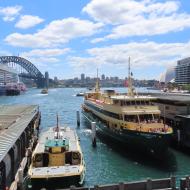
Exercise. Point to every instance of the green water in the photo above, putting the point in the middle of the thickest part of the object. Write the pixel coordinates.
(107, 163)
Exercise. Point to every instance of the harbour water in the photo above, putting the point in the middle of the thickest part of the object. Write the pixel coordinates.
(107, 163)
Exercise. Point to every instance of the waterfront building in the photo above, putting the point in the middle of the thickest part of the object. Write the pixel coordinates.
(182, 71)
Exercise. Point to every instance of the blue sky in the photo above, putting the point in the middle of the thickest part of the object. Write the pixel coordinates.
(70, 37)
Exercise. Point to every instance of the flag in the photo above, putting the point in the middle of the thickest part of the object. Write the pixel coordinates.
(131, 74)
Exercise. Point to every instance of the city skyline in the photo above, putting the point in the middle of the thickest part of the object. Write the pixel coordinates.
(68, 38)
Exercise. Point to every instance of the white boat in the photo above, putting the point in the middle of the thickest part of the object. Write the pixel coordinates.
(57, 160)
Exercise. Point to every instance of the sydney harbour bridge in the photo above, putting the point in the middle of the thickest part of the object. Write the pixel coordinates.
(26, 69)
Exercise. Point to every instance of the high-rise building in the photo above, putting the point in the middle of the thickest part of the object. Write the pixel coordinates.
(46, 79)
(55, 79)
(103, 77)
(82, 77)
(182, 71)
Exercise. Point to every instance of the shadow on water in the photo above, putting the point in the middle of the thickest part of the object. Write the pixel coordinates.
(165, 162)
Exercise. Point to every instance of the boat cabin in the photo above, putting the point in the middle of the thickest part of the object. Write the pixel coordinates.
(56, 153)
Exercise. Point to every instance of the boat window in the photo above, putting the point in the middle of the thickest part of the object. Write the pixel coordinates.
(38, 160)
(138, 102)
(68, 158)
(45, 160)
(38, 157)
(76, 158)
(131, 118)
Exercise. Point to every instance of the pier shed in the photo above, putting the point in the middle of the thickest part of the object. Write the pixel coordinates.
(19, 125)
(175, 111)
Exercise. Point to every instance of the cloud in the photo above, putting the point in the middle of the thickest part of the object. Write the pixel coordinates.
(45, 52)
(137, 18)
(56, 33)
(28, 21)
(143, 55)
(10, 13)
(44, 55)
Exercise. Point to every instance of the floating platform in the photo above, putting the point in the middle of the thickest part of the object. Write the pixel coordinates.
(19, 126)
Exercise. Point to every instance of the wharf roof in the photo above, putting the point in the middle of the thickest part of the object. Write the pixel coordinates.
(65, 133)
(13, 121)
(173, 97)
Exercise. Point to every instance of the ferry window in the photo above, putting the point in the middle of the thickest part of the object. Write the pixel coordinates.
(132, 102)
(128, 103)
(131, 118)
(138, 102)
(146, 118)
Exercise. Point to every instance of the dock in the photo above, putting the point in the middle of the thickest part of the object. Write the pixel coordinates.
(149, 184)
(19, 126)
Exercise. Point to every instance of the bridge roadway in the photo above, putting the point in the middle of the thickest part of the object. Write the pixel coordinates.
(18, 125)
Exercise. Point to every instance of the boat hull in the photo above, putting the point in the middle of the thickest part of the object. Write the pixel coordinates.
(152, 143)
(55, 182)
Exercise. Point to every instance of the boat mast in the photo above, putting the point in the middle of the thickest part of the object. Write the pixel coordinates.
(97, 87)
(130, 90)
(57, 127)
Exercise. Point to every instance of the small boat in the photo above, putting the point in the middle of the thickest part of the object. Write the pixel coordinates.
(44, 91)
(80, 94)
(57, 161)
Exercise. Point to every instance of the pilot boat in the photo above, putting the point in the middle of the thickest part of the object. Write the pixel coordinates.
(131, 119)
(57, 160)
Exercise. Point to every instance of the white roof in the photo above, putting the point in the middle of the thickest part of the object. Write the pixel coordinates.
(126, 97)
(65, 133)
(55, 171)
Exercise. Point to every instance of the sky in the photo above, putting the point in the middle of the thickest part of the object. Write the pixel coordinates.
(70, 37)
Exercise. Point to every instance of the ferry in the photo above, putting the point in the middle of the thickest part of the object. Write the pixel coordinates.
(130, 119)
(57, 161)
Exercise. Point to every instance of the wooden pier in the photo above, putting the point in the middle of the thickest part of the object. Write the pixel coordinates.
(19, 126)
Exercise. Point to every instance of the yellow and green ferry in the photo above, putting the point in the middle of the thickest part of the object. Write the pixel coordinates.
(129, 118)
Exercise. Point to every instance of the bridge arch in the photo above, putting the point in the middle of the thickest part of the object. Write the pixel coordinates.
(32, 70)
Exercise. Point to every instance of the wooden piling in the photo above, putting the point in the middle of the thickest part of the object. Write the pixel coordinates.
(93, 128)
(149, 184)
(78, 118)
(20, 179)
